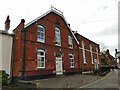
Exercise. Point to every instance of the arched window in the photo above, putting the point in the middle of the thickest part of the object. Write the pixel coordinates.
(57, 37)
(91, 54)
(40, 58)
(71, 57)
(97, 54)
(40, 33)
(70, 42)
(83, 50)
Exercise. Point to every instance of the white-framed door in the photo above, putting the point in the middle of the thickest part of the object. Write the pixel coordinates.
(59, 66)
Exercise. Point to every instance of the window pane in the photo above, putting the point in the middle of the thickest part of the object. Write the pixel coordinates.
(40, 58)
(57, 36)
(41, 53)
(71, 60)
(70, 41)
(40, 35)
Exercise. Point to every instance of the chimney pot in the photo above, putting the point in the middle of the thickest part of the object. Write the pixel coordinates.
(7, 23)
(107, 51)
(115, 51)
(23, 20)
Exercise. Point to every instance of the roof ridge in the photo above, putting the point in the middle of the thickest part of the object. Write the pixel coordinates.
(57, 14)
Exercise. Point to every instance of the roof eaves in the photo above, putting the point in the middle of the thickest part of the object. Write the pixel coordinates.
(70, 29)
(88, 39)
(6, 33)
(41, 17)
(28, 24)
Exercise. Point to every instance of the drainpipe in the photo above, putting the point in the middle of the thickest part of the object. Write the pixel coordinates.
(24, 51)
(24, 54)
(12, 55)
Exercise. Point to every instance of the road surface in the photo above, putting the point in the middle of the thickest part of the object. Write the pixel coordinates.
(109, 81)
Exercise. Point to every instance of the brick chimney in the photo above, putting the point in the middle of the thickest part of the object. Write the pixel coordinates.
(115, 51)
(107, 51)
(7, 23)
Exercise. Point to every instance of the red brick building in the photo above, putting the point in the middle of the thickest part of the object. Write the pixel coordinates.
(89, 53)
(107, 59)
(47, 46)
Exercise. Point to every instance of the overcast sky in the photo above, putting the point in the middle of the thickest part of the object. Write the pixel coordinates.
(94, 19)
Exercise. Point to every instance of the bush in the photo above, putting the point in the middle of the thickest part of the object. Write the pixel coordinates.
(4, 76)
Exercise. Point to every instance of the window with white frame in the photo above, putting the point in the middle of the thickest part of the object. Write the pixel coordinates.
(40, 58)
(97, 55)
(70, 42)
(71, 57)
(40, 33)
(57, 37)
(83, 50)
(91, 54)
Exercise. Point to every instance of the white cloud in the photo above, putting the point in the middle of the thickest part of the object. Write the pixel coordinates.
(88, 17)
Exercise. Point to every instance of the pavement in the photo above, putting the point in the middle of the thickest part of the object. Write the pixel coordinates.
(71, 81)
(76, 81)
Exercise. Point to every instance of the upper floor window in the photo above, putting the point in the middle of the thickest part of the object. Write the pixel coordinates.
(91, 54)
(83, 50)
(71, 57)
(57, 37)
(40, 58)
(40, 33)
(70, 42)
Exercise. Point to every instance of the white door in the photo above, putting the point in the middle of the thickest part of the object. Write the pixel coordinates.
(59, 68)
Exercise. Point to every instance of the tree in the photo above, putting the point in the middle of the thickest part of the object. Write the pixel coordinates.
(103, 47)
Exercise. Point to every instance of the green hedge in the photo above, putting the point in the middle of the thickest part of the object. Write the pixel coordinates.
(4, 77)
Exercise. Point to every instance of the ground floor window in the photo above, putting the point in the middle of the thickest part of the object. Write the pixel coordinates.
(40, 58)
(71, 56)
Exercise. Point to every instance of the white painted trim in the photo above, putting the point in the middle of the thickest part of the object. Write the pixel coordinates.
(73, 60)
(69, 37)
(61, 65)
(83, 52)
(91, 54)
(59, 34)
(43, 56)
(40, 31)
(89, 51)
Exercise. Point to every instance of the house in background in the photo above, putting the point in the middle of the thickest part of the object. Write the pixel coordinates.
(6, 40)
(107, 59)
(47, 46)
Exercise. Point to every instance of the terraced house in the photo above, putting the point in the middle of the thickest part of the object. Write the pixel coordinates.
(47, 46)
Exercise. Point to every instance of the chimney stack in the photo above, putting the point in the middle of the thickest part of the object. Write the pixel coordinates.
(22, 21)
(107, 51)
(115, 51)
(7, 23)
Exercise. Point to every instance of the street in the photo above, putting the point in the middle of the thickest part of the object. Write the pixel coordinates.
(110, 81)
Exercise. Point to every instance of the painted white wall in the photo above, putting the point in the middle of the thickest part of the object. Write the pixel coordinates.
(5, 52)
(0, 51)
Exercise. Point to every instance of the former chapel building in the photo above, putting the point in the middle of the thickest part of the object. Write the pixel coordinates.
(47, 46)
